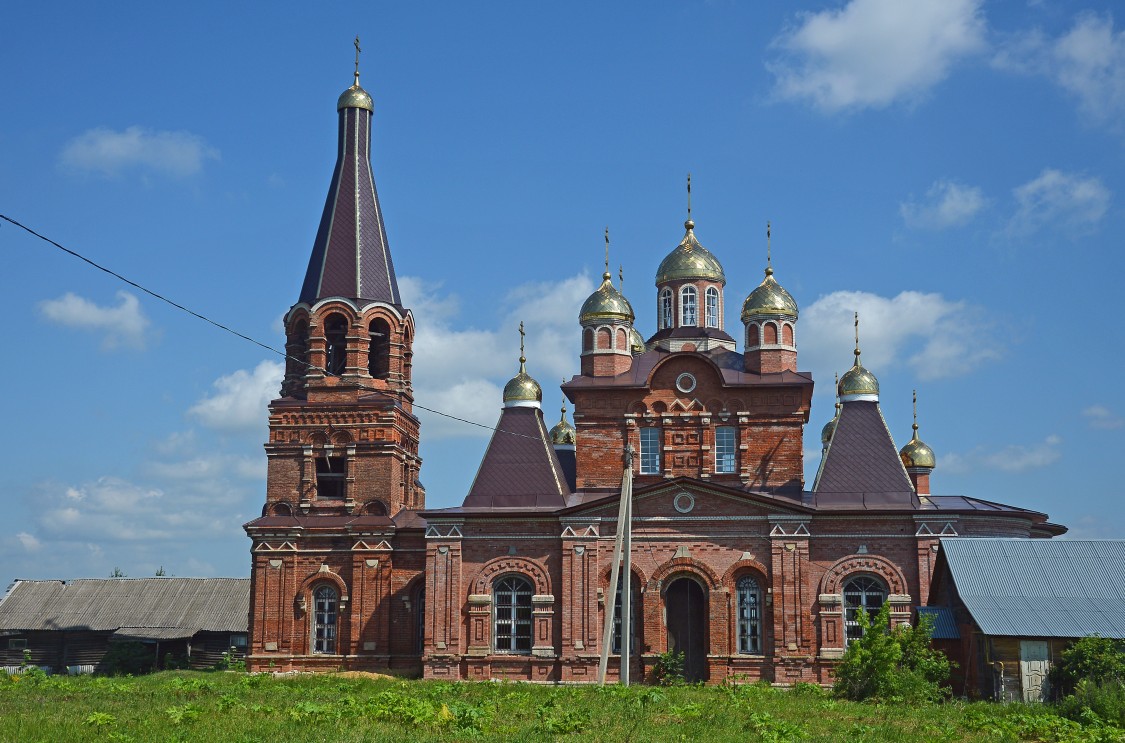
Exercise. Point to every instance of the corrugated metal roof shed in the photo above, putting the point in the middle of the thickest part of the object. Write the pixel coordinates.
(199, 604)
(1040, 587)
(945, 626)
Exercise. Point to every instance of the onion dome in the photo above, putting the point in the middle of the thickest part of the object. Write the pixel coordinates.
(563, 434)
(690, 260)
(770, 298)
(858, 384)
(522, 391)
(916, 454)
(606, 303)
(636, 341)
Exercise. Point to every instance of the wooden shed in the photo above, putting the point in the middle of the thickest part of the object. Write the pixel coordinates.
(1018, 603)
(70, 626)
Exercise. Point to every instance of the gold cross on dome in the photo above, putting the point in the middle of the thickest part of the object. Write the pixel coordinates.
(357, 51)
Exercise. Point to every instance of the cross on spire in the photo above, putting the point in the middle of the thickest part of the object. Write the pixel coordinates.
(523, 359)
(689, 196)
(357, 51)
(856, 352)
(769, 260)
(915, 426)
(607, 274)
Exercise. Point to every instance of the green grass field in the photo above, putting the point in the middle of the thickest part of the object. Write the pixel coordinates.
(236, 707)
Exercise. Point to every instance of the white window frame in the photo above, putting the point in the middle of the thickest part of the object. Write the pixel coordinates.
(726, 450)
(649, 460)
(665, 309)
(712, 307)
(689, 307)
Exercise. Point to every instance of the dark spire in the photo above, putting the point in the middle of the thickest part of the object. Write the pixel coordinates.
(351, 257)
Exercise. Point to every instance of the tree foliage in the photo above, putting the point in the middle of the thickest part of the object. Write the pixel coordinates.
(889, 664)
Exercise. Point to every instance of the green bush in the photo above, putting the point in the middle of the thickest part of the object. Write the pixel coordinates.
(128, 659)
(668, 670)
(1099, 659)
(892, 664)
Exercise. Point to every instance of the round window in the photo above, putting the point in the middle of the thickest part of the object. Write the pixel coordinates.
(684, 502)
(685, 382)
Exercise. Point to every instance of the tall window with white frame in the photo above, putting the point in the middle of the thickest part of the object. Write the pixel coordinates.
(511, 604)
(325, 615)
(862, 593)
(689, 312)
(726, 441)
(712, 314)
(650, 451)
(665, 314)
(749, 616)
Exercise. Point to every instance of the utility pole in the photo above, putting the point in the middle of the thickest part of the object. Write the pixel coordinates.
(622, 552)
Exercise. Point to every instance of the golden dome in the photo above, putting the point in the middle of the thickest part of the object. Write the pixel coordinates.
(916, 454)
(355, 97)
(770, 298)
(522, 388)
(636, 341)
(858, 381)
(606, 303)
(563, 434)
(690, 260)
(828, 430)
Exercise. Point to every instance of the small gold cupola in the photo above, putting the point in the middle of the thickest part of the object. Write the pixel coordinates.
(769, 299)
(563, 434)
(607, 303)
(858, 384)
(917, 454)
(769, 316)
(830, 426)
(522, 391)
(690, 260)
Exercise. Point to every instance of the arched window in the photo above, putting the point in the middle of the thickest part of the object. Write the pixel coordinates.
(379, 352)
(588, 339)
(633, 601)
(749, 616)
(864, 592)
(511, 604)
(712, 307)
(787, 334)
(325, 602)
(299, 346)
(689, 311)
(336, 336)
(664, 316)
(769, 334)
(751, 335)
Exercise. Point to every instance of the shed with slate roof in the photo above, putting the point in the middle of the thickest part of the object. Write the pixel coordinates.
(1018, 603)
(71, 625)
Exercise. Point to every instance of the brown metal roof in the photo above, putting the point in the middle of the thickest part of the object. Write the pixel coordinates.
(729, 363)
(108, 604)
(519, 469)
(312, 522)
(862, 464)
(351, 257)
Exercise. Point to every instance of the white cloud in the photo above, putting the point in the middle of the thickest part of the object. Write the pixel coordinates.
(1061, 200)
(934, 336)
(240, 400)
(123, 325)
(1088, 62)
(947, 204)
(462, 370)
(108, 152)
(29, 542)
(1099, 416)
(1014, 458)
(872, 53)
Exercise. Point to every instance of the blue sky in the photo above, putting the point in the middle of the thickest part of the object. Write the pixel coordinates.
(951, 169)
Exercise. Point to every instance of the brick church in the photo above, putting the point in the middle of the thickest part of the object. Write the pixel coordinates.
(736, 560)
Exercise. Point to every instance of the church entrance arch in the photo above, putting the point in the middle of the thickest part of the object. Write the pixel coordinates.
(685, 607)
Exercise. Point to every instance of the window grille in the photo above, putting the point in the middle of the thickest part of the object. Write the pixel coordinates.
(665, 319)
(616, 647)
(861, 593)
(749, 616)
(325, 601)
(511, 600)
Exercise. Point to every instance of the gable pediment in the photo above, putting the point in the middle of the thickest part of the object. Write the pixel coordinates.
(689, 500)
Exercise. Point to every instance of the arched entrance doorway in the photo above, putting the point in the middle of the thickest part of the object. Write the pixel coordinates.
(685, 604)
